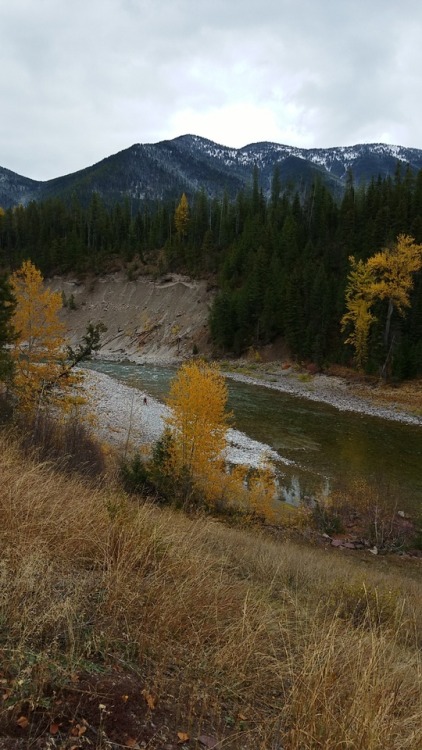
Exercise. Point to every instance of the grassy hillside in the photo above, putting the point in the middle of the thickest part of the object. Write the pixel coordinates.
(122, 624)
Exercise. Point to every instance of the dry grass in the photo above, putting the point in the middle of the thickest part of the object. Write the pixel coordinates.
(406, 395)
(263, 644)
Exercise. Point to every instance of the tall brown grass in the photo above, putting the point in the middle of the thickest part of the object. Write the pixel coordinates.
(273, 645)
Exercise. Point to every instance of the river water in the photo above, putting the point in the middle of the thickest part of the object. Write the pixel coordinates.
(326, 447)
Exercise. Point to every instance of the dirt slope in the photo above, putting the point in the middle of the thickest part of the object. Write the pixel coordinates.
(159, 321)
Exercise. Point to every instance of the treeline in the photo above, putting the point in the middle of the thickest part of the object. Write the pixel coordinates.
(281, 262)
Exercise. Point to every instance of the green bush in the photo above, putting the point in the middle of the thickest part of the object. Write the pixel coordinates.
(135, 476)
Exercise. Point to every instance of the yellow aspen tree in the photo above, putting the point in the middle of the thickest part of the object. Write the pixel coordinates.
(394, 269)
(181, 216)
(359, 298)
(198, 429)
(198, 425)
(38, 351)
(387, 275)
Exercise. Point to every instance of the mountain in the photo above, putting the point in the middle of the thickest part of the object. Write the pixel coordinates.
(188, 163)
(15, 189)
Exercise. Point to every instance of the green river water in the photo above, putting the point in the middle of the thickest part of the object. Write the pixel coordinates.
(326, 446)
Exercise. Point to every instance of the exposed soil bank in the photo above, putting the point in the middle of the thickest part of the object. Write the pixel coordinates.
(147, 320)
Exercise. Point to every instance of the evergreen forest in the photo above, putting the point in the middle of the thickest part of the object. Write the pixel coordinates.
(279, 262)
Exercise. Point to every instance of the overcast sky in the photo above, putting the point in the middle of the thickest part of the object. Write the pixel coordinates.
(83, 79)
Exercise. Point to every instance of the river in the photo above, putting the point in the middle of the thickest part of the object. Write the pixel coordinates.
(326, 447)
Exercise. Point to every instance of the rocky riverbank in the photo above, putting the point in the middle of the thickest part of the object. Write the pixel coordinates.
(128, 418)
(326, 389)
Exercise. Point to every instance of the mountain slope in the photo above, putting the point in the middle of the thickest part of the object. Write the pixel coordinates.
(188, 163)
(15, 189)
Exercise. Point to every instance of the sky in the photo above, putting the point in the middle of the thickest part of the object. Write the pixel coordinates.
(83, 79)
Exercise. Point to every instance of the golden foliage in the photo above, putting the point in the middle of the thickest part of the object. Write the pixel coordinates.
(393, 270)
(38, 352)
(359, 297)
(198, 427)
(181, 216)
(386, 275)
(198, 423)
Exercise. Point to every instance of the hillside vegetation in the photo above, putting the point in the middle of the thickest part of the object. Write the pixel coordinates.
(279, 265)
(124, 623)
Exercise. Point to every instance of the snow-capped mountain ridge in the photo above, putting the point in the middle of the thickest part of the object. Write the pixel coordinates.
(189, 163)
(266, 151)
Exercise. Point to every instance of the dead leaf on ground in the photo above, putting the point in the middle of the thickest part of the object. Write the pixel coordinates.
(150, 699)
(54, 728)
(22, 722)
(131, 742)
(78, 730)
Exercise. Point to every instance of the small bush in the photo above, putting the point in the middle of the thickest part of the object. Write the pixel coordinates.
(135, 476)
(365, 605)
(325, 516)
(70, 446)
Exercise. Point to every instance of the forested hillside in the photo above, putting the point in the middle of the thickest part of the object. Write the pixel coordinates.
(280, 263)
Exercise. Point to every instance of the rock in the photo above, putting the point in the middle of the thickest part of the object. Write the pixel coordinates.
(208, 741)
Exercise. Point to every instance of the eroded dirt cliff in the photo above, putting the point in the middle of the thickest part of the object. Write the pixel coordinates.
(160, 321)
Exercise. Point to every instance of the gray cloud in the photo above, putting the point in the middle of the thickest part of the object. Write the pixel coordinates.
(82, 80)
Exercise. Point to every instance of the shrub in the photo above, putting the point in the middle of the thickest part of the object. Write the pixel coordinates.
(70, 446)
(325, 515)
(135, 475)
(365, 605)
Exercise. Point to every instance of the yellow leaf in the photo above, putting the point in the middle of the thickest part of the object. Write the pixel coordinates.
(150, 699)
